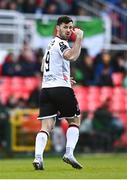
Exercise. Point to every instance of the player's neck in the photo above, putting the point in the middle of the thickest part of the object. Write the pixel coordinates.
(61, 38)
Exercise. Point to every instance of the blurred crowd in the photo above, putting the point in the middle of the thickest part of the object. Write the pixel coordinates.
(56, 6)
(87, 71)
(101, 129)
(26, 63)
(41, 6)
(108, 68)
(72, 7)
(116, 11)
(101, 70)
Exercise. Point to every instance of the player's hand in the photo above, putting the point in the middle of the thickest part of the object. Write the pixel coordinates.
(79, 33)
(72, 81)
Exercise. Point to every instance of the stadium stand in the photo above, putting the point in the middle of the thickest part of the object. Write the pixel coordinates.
(20, 68)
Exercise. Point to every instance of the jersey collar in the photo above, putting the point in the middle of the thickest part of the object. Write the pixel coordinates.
(61, 38)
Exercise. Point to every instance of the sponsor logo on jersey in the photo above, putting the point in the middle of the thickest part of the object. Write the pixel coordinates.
(49, 77)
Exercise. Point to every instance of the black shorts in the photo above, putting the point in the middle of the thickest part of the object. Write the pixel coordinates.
(58, 101)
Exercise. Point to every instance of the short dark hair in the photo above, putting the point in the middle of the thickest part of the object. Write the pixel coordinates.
(64, 19)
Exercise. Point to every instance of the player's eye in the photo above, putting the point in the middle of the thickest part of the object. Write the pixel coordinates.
(65, 27)
(71, 27)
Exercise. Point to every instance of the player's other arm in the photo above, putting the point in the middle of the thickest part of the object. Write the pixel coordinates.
(42, 65)
(42, 68)
(73, 53)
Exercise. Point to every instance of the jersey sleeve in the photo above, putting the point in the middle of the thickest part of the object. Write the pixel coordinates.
(63, 46)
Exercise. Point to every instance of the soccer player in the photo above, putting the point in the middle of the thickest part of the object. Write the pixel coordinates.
(57, 97)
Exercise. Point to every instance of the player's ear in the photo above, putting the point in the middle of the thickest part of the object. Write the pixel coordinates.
(57, 28)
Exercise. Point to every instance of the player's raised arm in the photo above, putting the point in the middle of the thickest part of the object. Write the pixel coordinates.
(73, 53)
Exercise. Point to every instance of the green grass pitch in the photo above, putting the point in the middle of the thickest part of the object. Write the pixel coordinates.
(96, 166)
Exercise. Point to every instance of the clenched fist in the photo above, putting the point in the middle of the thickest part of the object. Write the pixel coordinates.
(79, 33)
(76, 33)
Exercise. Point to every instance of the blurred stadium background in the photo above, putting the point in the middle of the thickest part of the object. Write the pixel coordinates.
(101, 73)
